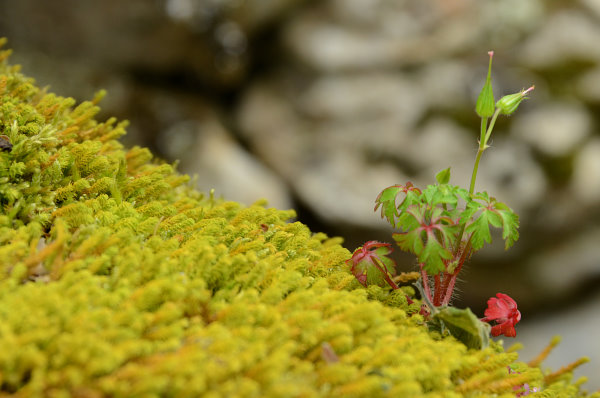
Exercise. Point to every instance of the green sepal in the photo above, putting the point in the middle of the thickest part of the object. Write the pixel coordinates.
(485, 106)
(509, 103)
(443, 177)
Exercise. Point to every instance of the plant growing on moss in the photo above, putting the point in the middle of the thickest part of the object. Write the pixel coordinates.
(119, 280)
(443, 225)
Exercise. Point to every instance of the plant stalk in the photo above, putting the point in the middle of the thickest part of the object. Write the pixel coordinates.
(449, 287)
(437, 290)
(425, 280)
(484, 137)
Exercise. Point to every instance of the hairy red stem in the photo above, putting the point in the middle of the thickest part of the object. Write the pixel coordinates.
(383, 270)
(449, 289)
(389, 280)
(437, 292)
(425, 281)
(452, 277)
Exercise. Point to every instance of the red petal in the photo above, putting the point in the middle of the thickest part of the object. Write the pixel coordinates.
(508, 329)
(503, 310)
(496, 309)
(516, 317)
(496, 330)
(502, 307)
(507, 299)
(505, 328)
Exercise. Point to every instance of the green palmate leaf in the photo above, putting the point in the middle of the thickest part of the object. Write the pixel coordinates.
(510, 224)
(445, 195)
(428, 234)
(433, 255)
(479, 216)
(410, 241)
(388, 197)
(465, 326)
(480, 228)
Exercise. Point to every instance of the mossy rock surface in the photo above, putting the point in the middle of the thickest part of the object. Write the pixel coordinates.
(120, 280)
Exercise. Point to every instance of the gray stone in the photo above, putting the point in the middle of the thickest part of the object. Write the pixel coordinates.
(565, 36)
(508, 172)
(249, 15)
(343, 191)
(332, 174)
(560, 268)
(272, 128)
(441, 143)
(585, 183)
(555, 129)
(220, 163)
(335, 36)
(352, 35)
(205, 41)
(587, 85)
(444, 85)
(592, 5)
(363, 96)
(333, 48)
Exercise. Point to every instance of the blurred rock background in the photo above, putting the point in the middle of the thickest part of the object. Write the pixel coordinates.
(319, 105)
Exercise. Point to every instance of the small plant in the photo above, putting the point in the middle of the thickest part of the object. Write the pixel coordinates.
(443, 225)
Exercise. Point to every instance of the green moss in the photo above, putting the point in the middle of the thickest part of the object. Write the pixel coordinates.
(118, 279)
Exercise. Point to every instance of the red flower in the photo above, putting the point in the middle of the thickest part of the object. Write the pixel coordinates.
(502, 310)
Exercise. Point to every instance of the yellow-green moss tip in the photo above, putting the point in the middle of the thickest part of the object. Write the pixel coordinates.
(119, 280)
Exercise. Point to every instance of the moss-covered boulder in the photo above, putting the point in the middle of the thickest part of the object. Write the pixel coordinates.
(117, 279)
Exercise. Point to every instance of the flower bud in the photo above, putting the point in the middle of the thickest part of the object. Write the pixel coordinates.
(509, 103)
(485, 103)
